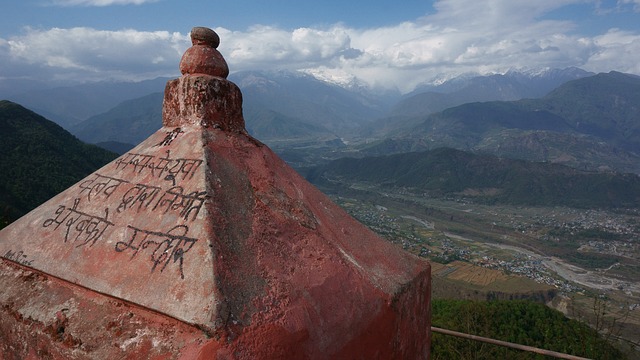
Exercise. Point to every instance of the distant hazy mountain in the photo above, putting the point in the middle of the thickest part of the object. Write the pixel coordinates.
(485, 178)
(39, 159)
(309, 100)
(70, 105)
(268, 125)
(513, 85)
(129, 122)
(587, 123)
(10, 87)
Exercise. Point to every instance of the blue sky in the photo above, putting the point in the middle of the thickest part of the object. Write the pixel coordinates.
(390, 44)
(178, 15)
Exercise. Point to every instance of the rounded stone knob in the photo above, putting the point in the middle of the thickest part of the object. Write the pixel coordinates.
(202, 57)
(204, 36)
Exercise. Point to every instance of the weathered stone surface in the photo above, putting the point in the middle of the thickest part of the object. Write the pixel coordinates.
(202, 243)
(299, 273)
(43, 317)
(203, 100)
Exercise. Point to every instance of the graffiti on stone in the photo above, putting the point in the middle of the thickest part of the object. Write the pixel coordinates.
(165, 167)
(19, 257)
(100, 186)
(79, 227)
(171, 135)
(134, 161)
(175, 199)
(139, 187)
(141, 195)
(162, 248)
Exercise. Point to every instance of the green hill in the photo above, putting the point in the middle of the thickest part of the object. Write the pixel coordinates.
(39, 159)
(485, 178)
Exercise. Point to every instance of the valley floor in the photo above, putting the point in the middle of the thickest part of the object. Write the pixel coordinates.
(583, 262)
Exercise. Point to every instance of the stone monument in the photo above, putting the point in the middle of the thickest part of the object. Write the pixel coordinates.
(200, 243)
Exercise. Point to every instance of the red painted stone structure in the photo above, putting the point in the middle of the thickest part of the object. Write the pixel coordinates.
(200, 243)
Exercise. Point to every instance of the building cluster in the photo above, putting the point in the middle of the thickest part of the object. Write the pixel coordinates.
(559, 224)
(530, 267)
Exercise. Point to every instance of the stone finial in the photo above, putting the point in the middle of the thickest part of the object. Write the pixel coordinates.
(202, 57)
(203, 96)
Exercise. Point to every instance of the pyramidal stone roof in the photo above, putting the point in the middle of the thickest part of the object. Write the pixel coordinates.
(205, 225)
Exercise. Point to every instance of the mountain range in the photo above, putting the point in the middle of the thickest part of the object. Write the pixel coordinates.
(511, 86)
(568, 116)
(286, 96)
(590, 123)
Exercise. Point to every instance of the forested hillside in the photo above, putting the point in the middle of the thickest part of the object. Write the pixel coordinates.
(485, 178)
(39, 159)
(515, 321)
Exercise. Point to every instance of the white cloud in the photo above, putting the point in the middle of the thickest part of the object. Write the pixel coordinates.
(99, 2)
(461, 36)
(85, 53)
(616, 50)
(268, 47)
